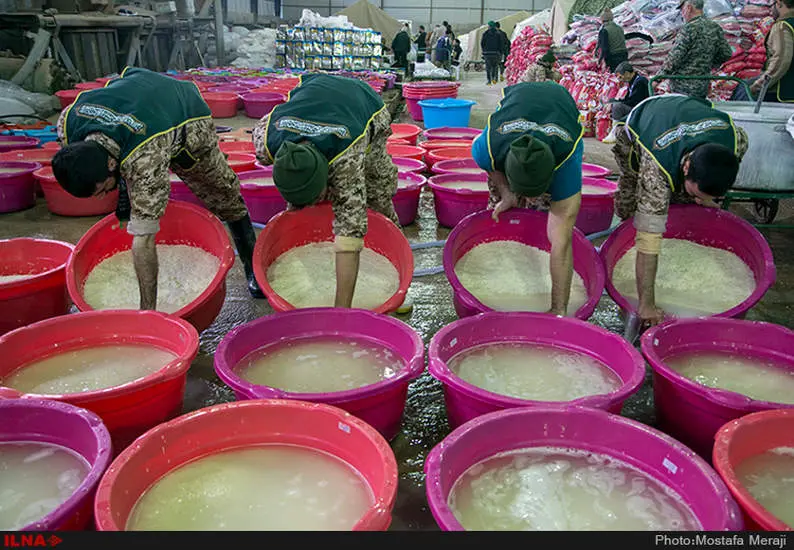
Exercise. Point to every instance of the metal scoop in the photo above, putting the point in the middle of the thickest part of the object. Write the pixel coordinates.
(762, 94)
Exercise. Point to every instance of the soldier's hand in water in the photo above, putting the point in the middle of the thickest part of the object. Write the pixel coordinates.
(650, 316)
(508, 201)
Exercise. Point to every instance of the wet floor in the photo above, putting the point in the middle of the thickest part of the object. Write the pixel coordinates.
(424, 424)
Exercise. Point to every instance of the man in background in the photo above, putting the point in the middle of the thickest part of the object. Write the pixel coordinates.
(543, 69)
(401, 46)
(492, 46)
(611, 48)
(421, 44)
(700, 47)
(638, 91)
(505, 50)
(437, 33)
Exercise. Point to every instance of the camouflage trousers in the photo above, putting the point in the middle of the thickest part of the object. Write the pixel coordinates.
(204, 169)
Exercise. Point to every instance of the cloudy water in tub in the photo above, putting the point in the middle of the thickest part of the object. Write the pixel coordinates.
(556, 489)
(769, 477)
(36, 478)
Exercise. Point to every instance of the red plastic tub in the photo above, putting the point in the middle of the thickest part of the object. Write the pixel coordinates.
(465, 401)
(692, 412)
(78, 430)
(436, 144)
(744, 438)
(458, 166)
(41, 155)
(259, 104)
(450, 132)
(82, 86)
(245, 147)
(63, 204)
(51, 146)
(408, 132)
(39, 297)
(241, 162)
(406, 200)
(405, 151)
(452, 205)
(409, 165)
(215, 429)
(18, 186)
(18, 143)
(67, 97)
(263, 201)
(709, 227)
(291, 229)
(597, 209)
(447, 153)
(380, 405)
(393, 141)
(222, 104)
(182, 223)
(127, 410)
(525, 226)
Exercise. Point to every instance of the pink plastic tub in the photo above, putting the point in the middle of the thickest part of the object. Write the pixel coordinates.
(215, 429)
(744, 438)
(60, 202)
(76, 429)
(642, 447)
(709, 227)
(457, 166)
(18, 186)
(691, 412)
(405, 151)
(594, 171)
(525, 226)
(127, 410)
(39, 297)
(597, 210)
(381, 405)
(181, 192)
(182, 223)
(259, 104)
(18, 143)
(406, 201)
(450, 132)
(408, 165)
(408, 132)
(263, 201)
(452, 205)
(465, 401)
(222, 104)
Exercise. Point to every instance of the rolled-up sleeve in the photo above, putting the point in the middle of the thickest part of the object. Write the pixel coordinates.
(653, 197)
(742, 142)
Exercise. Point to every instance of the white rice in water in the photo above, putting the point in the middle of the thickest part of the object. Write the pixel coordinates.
(262, 182)
(306, 277)
(692, 279)
(14, 278)
(588, 189)
(512, 276)
(184, 273)
(473, 185)
(5, 170)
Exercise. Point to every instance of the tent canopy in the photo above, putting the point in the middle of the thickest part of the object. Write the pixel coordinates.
(366, 15)
(473, 50)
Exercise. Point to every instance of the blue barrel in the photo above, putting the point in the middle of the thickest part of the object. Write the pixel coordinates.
(439, 113)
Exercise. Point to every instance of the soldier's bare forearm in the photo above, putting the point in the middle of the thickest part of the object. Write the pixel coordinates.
(144, 257)
(646, 279)
(346, 276)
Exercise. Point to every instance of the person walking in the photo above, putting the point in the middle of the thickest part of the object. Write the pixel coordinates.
(492, 47)
(401, 46)
(505, 50)
(611, 48)
(421, 44)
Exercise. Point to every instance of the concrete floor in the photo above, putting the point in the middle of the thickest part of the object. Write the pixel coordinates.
(425, 422)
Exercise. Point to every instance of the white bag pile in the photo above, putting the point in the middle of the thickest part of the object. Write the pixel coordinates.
(257, 49)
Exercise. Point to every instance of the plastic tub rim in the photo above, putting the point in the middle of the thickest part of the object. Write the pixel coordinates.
(43, 274)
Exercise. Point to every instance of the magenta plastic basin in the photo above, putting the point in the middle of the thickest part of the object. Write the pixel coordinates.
(17, 143)
(465, 401)
(381, 405)
(17, 188)
(594, 170)
(452, 205)
(456, 166)
(597, 210)
(181, 192)
(642, 447)
(263, 201)
(691, 412)
(259, 104)
(81, 431)
(709, 227)
(406, 200)
(525, 226)
(409, 165)
(450, 132)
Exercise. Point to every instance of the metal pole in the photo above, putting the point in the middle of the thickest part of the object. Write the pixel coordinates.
(220, 50)
(482, 12)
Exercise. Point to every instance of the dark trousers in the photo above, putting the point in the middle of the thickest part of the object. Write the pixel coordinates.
(740, 93)
(400, 59)
(616, 59)
(492, 61)
(620, 111)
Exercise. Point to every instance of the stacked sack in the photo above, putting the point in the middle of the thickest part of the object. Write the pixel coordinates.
(747, 39)
(592, 91)
(524, 51)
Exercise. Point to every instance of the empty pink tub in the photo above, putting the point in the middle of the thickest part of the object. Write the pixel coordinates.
(452, 205)
(457, 166)
(17, 185)
(259, 104)
(649, 450)
(381, 405)
(181, 192)
(449, 132)
(406, 201)
(691, 412)
(409, 165)
(17, 143)
(465, 401)
(263, 201)
(595, 171)
(525, 226)
(78, 430)
(597, 209)
(709, 227)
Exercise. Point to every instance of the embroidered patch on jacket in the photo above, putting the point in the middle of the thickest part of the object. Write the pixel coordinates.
(311, 129)
(109, 117)
(521, 125)
(689, 129)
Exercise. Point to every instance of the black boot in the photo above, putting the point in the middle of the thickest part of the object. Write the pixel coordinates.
(245, 239)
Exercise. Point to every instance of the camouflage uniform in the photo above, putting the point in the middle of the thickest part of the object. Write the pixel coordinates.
(148, 181)
(539, 73)
(363, 177)
(700, 47)
(646, 194)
